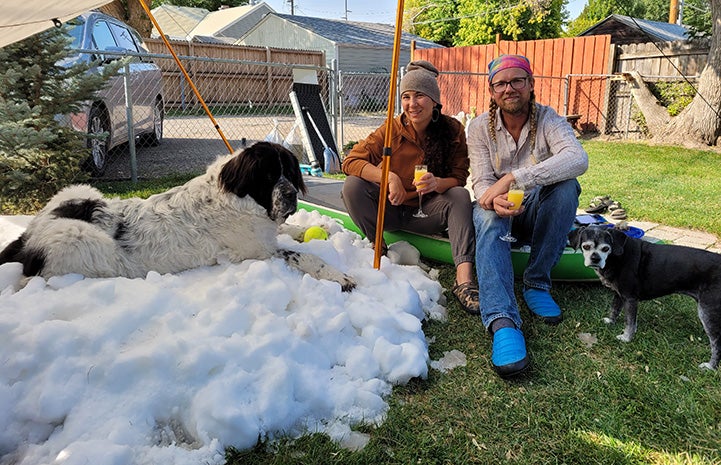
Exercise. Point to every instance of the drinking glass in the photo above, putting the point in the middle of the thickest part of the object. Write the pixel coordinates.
(420, 171)
(515, 195)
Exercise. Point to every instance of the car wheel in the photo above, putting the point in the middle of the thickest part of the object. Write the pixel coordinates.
(99, 130)
(156, 137)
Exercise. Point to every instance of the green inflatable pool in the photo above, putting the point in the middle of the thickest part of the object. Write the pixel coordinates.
(569, 268)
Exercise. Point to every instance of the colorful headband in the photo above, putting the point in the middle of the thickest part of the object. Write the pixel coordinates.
(508, 61)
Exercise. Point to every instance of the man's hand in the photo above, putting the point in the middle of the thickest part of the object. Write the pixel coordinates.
(496, 197)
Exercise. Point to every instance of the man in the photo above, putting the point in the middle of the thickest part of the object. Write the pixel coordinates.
(520, 143)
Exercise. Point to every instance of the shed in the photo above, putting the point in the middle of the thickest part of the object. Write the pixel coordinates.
(356, 46)
(628, 30)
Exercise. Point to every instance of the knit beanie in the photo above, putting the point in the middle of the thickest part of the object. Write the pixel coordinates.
(508, 61)
(421, 77)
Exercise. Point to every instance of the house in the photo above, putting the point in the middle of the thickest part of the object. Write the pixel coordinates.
(198, 24)
(355, 46)
(626, 30)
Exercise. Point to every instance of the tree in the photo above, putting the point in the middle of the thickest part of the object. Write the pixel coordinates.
(436, 21)
(473, 22)
(210, 5)
(39, 154)
(131, 13)
(696, 13)
(700, 122)
(597, 10)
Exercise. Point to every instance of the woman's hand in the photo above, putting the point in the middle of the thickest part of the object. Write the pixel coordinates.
(428, 183)
(396, 191)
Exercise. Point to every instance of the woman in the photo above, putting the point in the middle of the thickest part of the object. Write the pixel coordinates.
(421, 135)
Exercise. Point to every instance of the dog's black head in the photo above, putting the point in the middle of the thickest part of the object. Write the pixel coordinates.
(597, 243)
(267, 172)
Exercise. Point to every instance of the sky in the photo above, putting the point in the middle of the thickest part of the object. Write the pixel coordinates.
(376, 11)
(173, 369)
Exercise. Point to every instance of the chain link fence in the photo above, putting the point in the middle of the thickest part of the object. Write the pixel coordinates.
(249, 101)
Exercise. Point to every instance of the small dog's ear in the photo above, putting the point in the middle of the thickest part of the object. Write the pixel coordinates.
(618, 241)
(574, 237)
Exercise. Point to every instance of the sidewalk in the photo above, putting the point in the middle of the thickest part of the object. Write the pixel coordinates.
(680, 236)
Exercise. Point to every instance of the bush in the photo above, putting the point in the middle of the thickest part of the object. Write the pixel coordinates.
(675, 96)
(39, 155)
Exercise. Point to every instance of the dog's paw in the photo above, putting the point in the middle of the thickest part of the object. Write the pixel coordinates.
(347, 283)
(707, 366)
(608, 321)
(623, 337)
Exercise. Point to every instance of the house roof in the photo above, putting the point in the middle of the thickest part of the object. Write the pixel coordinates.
(177, 21)
(200, 24)
(215, 21)
(624, 29)
(356, 33)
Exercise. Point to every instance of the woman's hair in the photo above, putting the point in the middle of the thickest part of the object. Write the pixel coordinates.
(492, 107)
(440, 135)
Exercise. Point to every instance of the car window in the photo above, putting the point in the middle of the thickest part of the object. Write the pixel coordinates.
(76, 32)
(123, 38)
(102, 37)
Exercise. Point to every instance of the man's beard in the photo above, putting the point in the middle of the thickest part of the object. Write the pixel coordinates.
(513, 108)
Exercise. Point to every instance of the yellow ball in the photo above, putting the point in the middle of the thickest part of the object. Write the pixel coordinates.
(315, 232)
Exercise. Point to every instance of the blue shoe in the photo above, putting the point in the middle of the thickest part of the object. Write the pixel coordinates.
(509, 356)
(542, 304)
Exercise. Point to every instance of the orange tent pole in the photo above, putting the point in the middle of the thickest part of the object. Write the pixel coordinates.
(385, 167)
(185, 73)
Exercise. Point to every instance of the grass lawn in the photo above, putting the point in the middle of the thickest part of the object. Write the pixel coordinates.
(588, 398)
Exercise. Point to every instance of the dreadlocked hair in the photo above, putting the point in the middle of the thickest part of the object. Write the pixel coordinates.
(533, 120)
(437, 146)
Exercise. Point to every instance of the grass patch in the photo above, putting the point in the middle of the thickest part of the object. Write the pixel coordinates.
(644, 402)
(668, 185)
(144, 188)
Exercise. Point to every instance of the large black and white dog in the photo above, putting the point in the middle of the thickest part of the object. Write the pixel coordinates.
(640, 270)
(232, 212)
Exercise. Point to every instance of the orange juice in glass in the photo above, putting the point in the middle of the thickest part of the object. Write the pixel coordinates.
(515, 196)
(418, 173)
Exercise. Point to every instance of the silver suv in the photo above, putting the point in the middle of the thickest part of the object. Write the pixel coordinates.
(107, 114)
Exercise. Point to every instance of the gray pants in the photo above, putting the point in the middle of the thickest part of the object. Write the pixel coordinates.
(452, 210)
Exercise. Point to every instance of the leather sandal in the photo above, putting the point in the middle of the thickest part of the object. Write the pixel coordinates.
(599, 204)
(617, 211)
(467, 295)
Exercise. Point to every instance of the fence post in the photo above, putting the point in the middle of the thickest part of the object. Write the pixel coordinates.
(341, 111)
(129, 117)
(269, 75)
(566, 92)
(333, 97)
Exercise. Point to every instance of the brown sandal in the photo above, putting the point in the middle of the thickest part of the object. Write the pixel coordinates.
(467, 295)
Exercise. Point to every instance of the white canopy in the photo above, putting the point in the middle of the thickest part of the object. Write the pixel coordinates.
(22, 18)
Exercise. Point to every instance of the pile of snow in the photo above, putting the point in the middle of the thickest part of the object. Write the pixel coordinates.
(174, 368)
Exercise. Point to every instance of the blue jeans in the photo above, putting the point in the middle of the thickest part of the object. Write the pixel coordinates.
(544, 225)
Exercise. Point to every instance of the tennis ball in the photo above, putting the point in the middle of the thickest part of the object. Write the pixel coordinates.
(315, 232)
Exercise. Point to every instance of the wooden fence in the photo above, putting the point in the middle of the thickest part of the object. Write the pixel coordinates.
(669, 59)
(217, 71)
(552, 61)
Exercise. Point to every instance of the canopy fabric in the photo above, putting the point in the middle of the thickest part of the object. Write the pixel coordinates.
(22, 18)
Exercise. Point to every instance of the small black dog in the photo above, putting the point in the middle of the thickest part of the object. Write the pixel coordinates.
(641, 270)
